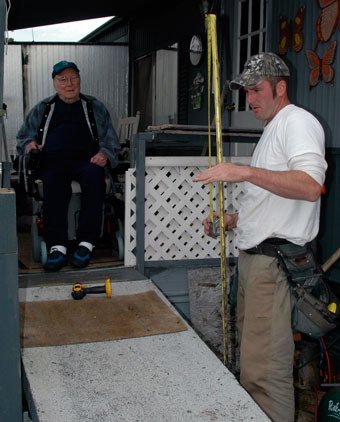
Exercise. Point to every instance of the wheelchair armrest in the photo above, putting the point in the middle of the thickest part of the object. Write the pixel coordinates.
(28, 166)
(125, 144)
(33, 160)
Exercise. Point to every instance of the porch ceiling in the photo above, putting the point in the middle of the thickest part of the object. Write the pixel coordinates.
(30, 13)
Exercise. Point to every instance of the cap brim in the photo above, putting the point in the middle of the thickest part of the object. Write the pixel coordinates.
(248, 82)
(234, 85)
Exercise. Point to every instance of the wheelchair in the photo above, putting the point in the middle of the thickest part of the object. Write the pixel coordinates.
(112, 230)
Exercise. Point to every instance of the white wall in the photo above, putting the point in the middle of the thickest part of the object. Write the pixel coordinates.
(166, 87)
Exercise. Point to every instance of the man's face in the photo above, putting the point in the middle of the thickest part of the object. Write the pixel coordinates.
(262, 101)
(67, 85)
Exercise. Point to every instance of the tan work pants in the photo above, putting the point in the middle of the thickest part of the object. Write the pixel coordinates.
(266, 338)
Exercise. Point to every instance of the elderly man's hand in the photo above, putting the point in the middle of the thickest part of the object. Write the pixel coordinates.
(100, 159)
(32, 145)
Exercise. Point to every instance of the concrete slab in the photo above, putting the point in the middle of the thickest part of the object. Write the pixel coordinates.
(162, 378)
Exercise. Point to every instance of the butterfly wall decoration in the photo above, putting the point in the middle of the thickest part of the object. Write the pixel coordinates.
(320, 68)
(291, 33)
(328, 20)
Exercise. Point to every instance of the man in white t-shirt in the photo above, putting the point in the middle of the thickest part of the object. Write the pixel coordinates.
(281, 204)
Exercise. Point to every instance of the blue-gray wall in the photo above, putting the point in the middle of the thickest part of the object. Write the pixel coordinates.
(323, 101)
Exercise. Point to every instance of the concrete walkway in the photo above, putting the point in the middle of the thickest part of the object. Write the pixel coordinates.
(161, 378)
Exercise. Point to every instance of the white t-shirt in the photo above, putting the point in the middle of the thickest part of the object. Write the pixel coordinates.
(293, 140)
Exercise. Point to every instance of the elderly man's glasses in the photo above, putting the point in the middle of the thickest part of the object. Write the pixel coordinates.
(63, 80)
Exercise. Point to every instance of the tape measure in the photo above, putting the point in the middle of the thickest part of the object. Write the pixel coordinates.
(212, 52)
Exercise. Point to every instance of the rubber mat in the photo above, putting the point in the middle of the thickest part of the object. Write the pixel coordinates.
(60, 322)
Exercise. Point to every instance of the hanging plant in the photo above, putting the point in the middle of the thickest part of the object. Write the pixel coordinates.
(196, 91)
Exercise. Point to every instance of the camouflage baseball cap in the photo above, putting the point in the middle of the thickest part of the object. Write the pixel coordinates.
(257, 68)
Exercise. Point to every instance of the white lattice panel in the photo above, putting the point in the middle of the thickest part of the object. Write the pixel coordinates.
(174, 209)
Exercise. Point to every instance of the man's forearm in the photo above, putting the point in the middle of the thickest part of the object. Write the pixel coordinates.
(292, 184)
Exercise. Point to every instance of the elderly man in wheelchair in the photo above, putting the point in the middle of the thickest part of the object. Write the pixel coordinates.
(76, 141)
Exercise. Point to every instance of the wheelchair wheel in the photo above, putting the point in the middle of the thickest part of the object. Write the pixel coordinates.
(120, 240)
(36, 242)
(43, 252)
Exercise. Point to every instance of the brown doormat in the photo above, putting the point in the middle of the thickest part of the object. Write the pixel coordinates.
(58, 322)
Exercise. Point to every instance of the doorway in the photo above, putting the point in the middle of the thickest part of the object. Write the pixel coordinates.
(155, 88)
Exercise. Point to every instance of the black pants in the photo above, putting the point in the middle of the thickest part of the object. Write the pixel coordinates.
(57, 178)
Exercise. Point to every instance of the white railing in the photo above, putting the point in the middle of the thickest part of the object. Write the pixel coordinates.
(174, 209)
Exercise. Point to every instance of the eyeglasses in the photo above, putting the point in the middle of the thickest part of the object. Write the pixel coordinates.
(63, 80)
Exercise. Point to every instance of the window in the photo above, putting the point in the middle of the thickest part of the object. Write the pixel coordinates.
(250, 39)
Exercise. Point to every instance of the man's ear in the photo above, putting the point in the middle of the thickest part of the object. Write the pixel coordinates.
(281, 88)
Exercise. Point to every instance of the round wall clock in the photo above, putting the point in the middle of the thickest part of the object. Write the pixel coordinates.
(196, 50)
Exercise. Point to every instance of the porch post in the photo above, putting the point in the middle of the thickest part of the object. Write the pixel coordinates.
(10, 362)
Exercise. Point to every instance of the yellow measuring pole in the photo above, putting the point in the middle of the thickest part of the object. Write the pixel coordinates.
(211, 214)
(213, 52)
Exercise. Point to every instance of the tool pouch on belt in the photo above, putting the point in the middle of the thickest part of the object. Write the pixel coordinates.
(315, 308)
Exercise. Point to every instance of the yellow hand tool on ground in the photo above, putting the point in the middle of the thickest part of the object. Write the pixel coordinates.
(80, 290)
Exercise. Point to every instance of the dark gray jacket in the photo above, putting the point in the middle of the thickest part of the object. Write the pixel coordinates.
(36, 125)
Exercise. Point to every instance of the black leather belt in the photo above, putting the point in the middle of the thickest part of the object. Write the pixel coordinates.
(268, 247)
